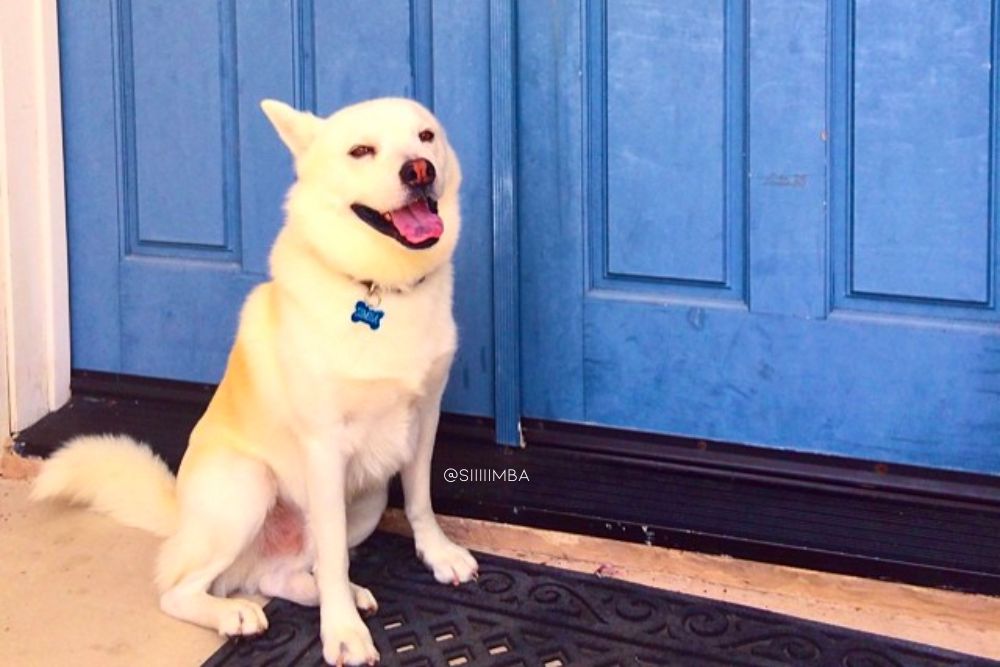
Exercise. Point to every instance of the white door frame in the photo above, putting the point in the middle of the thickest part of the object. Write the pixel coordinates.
(33, 260)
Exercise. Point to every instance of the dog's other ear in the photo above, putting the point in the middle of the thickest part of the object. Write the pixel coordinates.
(296, 128)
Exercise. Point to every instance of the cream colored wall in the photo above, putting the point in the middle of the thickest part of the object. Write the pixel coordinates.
(32, 213)
(5, 428)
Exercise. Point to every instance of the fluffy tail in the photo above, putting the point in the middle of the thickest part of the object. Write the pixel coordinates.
(114, 475)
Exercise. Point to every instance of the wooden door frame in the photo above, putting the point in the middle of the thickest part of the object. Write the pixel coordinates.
(33, 259)
(506, 274)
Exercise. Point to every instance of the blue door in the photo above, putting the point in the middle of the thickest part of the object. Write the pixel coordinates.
(768, 222)
(175, 179)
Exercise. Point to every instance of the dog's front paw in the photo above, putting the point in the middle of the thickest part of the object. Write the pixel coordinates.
(240, 618)
(364, 600)
(450, 563)
(347, 641)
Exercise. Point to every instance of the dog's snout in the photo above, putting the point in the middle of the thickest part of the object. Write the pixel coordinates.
(417, 173)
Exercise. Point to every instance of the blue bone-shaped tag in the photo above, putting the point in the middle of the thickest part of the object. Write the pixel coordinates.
(365, 313)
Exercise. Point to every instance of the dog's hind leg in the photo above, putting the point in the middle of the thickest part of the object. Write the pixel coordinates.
(290, 583)
(299, 586)
(223, 503)
(287, 574)
(364, 511)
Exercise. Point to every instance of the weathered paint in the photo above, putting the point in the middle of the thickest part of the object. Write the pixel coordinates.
(769, 222)
(787, 234)
(175, 180)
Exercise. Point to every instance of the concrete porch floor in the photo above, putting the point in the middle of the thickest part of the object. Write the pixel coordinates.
(77, 588)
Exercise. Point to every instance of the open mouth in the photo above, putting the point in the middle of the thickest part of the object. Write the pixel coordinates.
(415, 225)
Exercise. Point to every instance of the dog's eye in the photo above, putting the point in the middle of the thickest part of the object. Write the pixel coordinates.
(426, 136)
(361, 151)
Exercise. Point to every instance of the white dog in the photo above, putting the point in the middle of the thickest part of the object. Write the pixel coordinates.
(333, 385)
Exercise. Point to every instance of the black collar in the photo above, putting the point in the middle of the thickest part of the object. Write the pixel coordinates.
(371, 286)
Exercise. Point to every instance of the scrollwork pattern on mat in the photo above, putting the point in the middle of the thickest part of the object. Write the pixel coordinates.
(539, 614)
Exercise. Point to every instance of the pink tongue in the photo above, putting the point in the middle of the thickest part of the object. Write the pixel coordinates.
(416, 222)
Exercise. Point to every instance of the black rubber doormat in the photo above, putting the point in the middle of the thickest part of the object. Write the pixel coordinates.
(525, 615)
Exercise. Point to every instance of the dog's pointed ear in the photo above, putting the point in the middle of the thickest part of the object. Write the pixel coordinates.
(296, 128)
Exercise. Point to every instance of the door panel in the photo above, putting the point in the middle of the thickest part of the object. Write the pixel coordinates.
(156, 57)
(175, 179)
(351, 37)
(666, 161)
(913, 185)
(920, 115)
(665, 143)
(853, 308)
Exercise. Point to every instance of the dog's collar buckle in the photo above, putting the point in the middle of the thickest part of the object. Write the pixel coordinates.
(374, 296)
(376, 290)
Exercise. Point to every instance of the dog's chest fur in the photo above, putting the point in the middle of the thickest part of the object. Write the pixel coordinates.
(318, 335)
(382, 443)
(347, 385)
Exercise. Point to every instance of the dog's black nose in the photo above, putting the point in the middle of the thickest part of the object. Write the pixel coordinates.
(417, 173)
